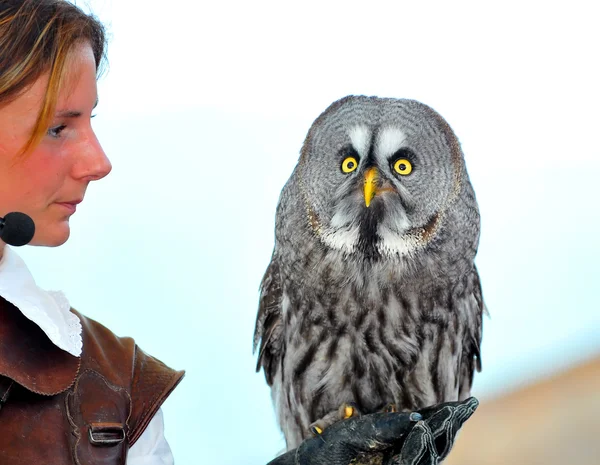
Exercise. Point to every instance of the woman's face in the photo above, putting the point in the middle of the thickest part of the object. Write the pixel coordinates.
(51, 179)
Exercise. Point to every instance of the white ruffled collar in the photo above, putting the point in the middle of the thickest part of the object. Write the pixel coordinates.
(50, 310)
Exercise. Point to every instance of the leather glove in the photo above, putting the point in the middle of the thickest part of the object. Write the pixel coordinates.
(424, 437)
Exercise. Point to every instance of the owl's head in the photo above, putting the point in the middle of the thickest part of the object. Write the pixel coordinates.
(379, 176)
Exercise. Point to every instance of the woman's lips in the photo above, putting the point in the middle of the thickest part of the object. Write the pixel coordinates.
(71, 207)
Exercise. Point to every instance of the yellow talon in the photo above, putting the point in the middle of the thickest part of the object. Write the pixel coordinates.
(317, 430)
(348, 412)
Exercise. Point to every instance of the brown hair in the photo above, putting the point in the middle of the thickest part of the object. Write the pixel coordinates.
(36, 37)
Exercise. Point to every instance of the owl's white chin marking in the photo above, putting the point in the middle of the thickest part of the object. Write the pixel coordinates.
(344, 240)
(344, 234)
(392, 243)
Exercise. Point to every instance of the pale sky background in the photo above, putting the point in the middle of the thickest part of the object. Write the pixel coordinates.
(203, 111)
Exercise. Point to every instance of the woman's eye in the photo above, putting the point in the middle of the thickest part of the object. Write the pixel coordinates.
(55, 131)
(349, 164)
(402, 166)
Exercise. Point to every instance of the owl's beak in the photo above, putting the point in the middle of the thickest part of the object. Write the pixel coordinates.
(370, 186)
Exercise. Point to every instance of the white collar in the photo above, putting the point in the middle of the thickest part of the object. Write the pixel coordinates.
(50, 310)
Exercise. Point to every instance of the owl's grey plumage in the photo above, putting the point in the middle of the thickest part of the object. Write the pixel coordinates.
(371, 296)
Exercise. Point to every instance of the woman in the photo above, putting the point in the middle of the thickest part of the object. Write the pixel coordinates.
(69, 388)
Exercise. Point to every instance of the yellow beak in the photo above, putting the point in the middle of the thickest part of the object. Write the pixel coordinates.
(370, 185)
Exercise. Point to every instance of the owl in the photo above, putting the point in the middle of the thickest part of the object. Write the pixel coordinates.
(371, 300)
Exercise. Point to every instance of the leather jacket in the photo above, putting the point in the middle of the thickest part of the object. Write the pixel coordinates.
(59, 409)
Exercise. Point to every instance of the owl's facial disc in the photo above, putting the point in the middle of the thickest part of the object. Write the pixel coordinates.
(379, 176)
(371, 208)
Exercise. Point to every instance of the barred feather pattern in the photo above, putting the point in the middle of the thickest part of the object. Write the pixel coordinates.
(386, 345)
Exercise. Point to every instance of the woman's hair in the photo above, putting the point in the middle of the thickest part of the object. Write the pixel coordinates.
(36, 37)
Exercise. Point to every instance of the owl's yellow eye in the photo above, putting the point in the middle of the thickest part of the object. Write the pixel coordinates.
(349, 164)
(402, 166)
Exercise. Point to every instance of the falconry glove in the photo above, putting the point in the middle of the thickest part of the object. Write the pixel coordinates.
(423, 438)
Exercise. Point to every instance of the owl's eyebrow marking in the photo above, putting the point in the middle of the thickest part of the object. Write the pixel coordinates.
(389, 141)
(359, 136)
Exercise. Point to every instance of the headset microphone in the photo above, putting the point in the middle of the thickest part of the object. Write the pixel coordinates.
(16, 228)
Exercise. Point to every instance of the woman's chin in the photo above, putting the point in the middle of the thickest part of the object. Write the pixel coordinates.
(51, 237)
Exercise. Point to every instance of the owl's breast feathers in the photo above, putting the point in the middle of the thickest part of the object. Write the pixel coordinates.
(325, 339)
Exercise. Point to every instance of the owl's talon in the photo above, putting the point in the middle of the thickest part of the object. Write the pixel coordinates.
(349, 411)
(345, 411)
(316, 430)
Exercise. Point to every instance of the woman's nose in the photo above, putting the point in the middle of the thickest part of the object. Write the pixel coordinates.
(92, 162)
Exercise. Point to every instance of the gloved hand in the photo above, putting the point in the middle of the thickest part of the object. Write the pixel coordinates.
(424, 437)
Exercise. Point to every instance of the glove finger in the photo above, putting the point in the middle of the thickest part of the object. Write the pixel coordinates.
(419, 448)
(471, 403)
(447, 422)
(455, 413)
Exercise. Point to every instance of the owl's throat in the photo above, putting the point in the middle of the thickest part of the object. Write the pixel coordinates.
(372, 233)
(368, 238)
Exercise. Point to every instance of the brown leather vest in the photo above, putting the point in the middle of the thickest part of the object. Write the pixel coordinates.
(57, 409)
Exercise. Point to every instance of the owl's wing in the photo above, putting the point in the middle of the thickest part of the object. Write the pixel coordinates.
(268, 332)
(471, 355)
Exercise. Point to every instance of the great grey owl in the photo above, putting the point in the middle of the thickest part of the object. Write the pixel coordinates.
(371, 299)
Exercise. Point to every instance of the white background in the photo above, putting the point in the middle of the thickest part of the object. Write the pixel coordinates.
(203, 111)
